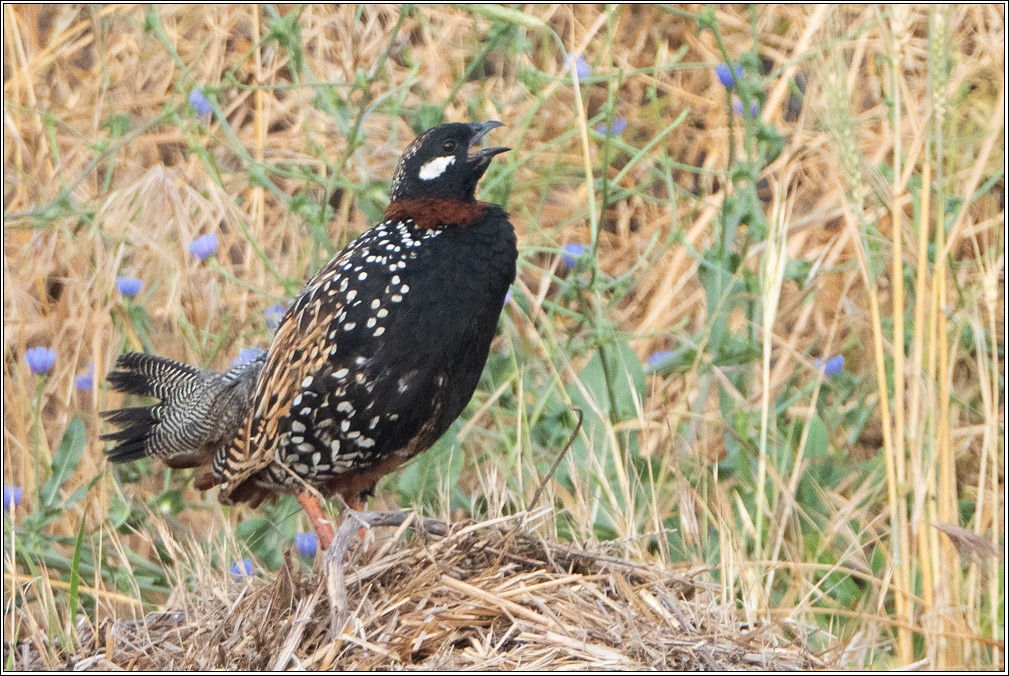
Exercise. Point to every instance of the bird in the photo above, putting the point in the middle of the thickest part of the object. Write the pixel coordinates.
(372, 362)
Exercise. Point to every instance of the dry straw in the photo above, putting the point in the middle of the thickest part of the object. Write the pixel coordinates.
(481, 597)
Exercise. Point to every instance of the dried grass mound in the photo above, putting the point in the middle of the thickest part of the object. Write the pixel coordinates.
(485, 596)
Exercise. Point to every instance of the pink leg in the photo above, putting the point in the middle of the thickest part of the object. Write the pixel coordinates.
(317, 515)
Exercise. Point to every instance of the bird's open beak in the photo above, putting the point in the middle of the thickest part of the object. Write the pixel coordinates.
(480, 130)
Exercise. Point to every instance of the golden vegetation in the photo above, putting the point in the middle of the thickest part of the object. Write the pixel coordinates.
(879, 537)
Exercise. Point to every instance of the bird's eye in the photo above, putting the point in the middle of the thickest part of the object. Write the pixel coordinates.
(448, 146)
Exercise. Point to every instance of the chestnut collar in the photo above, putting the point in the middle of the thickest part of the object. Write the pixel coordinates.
(436, 214)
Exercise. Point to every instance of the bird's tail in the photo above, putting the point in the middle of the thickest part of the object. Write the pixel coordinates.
(143, 426)
(199, 411)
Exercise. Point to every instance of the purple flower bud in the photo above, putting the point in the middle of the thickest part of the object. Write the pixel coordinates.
(615, 129)
(581, 67)
(728, 75)
(242, 569)
(738, 107)
(571, 253)
(307, 544)
(40, 359)
(247, 354)
(12, 497)
(86, 380)
(832, 366)
(656, 359)
(204, 247)
(273, 315)
(199, 102)
(129, 286)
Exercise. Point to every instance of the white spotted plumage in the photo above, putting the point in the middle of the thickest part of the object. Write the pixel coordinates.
(359, 371)
(373, 361)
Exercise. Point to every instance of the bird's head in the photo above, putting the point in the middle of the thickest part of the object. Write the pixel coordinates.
(443, 163)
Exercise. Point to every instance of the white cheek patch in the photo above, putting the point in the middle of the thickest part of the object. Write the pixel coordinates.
(436, 167)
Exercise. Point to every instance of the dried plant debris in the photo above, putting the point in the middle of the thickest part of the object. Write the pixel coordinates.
(481, 597)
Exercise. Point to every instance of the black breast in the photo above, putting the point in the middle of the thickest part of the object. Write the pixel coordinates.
(409, 345)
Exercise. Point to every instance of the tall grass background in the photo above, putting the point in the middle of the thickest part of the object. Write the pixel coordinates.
(843, 196)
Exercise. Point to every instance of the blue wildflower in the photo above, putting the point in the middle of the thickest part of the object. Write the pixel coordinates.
(307, 544)
(242, 569)
(738, 107)
(614, 129)
(728, 75)
(199, 102)
(273, 315)
(86, 380)
(40, 359)
(247, 354)
(656, 359)
(12, 497)
(129, 286)
(582, 68)
(832, 366)
(508, 297)
(572, 252)
(204, 247)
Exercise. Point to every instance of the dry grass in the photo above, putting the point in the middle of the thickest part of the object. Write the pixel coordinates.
(107, 172)
(483, 597)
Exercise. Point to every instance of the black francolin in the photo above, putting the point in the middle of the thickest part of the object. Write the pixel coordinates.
(373, 361)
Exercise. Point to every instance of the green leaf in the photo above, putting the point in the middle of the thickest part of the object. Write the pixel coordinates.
(75, 576)
(428, 115)
(798, 270)
(506, 15)
(118, 124)
(616, 389)
(330, 100)
(65, 461)
(287, 32)
(119, 511)
(817, 441)
(627, 382)
(419, 481)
